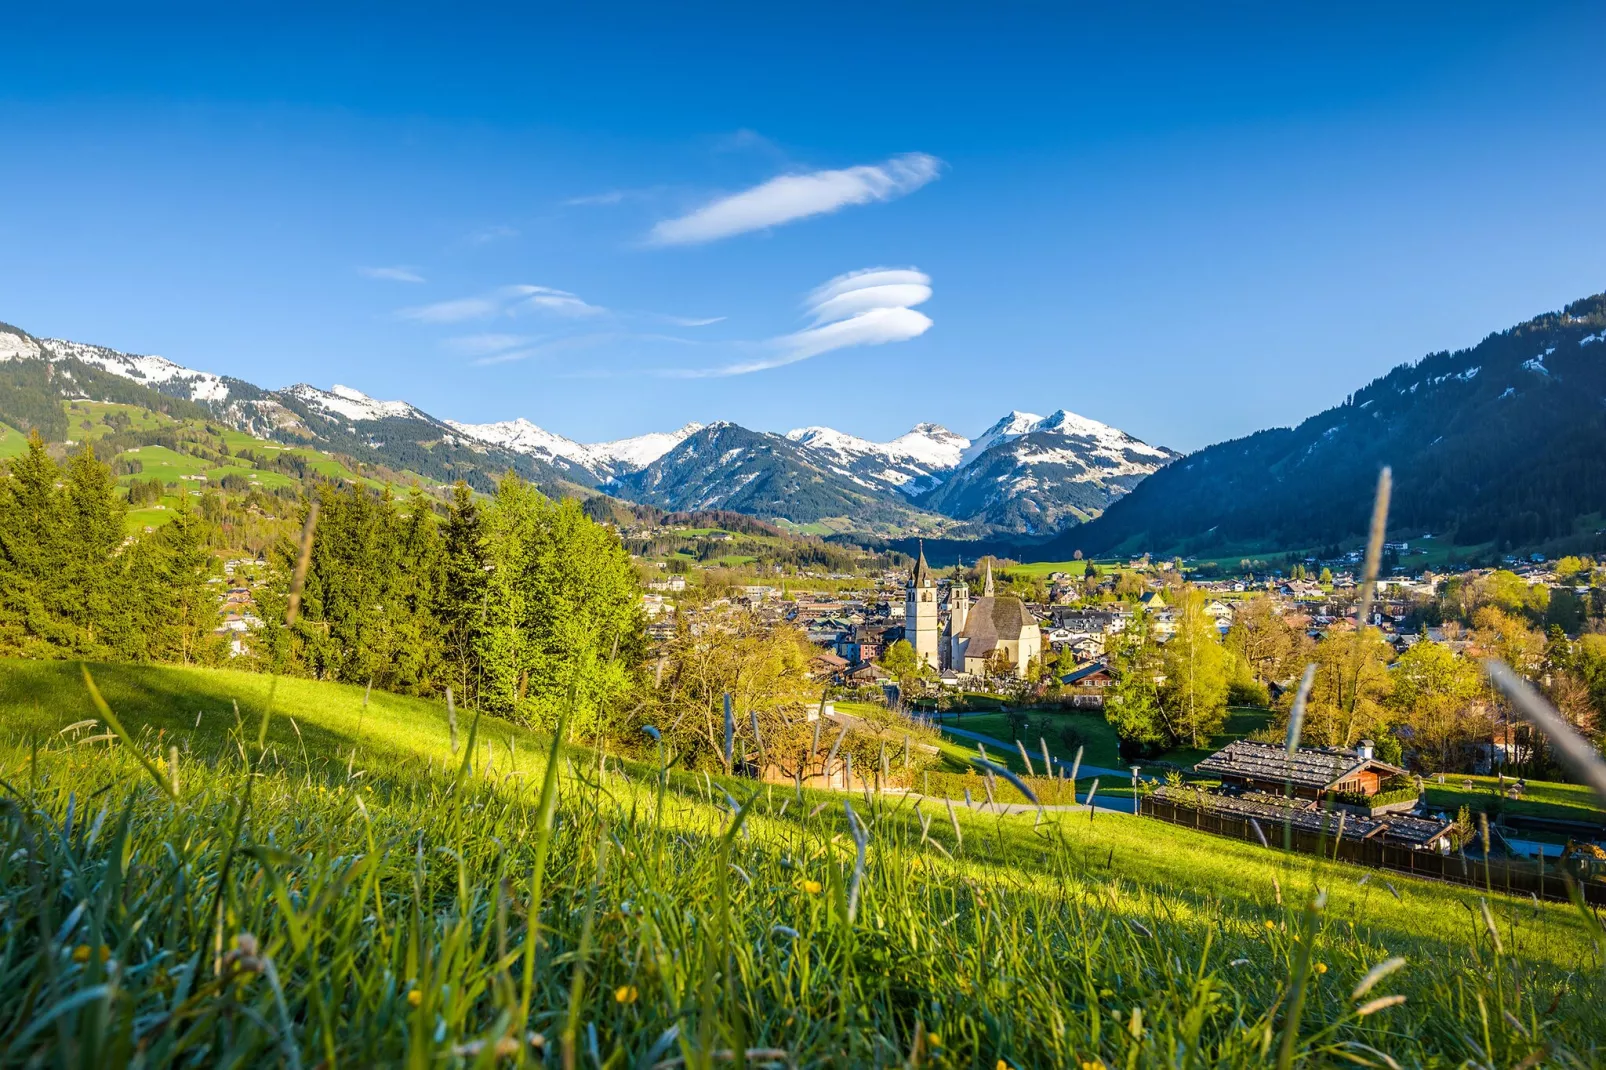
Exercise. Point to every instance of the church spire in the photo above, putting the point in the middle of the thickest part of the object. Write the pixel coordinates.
(987, 584)
(921, 577)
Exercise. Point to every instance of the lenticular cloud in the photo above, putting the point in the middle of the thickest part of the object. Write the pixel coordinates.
(862, 308)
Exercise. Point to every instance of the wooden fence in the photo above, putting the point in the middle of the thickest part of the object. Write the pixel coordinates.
(1514, 879)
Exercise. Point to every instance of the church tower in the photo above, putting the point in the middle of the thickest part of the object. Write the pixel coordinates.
(920, 611)
(958, 614)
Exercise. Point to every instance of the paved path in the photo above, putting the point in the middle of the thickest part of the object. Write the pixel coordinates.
(1005, 747)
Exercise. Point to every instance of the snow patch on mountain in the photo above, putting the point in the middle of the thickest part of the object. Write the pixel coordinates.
(931, 446)
(1014, 425)
(603, 459)
(148, 370)
(353, 404)
(17, 347)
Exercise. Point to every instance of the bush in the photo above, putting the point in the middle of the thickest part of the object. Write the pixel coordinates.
(1248, 693)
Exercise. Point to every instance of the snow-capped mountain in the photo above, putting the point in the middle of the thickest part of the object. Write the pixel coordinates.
(1025, 473)
(911, 463)
(1035, 474)
(604, 460)
(158, 373)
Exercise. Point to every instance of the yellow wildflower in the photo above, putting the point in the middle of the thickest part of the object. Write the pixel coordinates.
(414, 998)
(935, 1038)
(1270, 925)
(813, 887)
(1321, 967)
(80, 953)
(624, 994)
(1002, 1065)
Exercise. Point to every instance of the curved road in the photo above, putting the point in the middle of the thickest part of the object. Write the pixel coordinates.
(1117, 804)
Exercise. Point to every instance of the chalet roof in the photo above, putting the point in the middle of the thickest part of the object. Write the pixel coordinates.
(1391, 828)
(1082, 672)
(993, 618)
(1309, 768)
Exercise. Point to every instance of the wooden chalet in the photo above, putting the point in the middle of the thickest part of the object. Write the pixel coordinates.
(1271, 811)
(1312, 773)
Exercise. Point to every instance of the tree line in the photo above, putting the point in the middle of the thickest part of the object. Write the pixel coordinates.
(510, 603)
(74, 584)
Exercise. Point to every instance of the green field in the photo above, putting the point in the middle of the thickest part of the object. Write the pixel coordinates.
(1241, 720)
(1099, 742)
(1568, 802)
(13, 443)
(379, 883)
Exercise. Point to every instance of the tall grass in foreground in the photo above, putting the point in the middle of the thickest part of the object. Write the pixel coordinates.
(380, 914)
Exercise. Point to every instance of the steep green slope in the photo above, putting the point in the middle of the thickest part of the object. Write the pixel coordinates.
(375, 886)
(1504, 443)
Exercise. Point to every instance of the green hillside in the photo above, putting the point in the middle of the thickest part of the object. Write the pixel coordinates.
(1499, 445)
(362, 900)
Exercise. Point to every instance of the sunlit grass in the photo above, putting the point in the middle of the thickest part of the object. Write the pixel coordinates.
(377, 903)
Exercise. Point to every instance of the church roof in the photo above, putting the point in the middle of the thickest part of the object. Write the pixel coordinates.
(991, 619)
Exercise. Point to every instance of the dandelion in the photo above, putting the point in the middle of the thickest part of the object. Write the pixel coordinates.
(625, 994)
(414, 998)
(813, 887)
(1270, 925)
(80, 954)
(1321, 967)
(1002, 1065)
(935, 1038)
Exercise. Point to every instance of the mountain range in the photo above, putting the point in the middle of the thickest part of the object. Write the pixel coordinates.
(1026, 475)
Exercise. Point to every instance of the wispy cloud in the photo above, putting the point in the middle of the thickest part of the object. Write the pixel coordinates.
(559, 345)
(614, 196)
(486, 235)
(392, 274)
(861, 308)
(687, 321)
(790, 197)
(478, 345)
(505, 301)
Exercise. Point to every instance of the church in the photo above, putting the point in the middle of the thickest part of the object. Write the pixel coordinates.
(995, 627)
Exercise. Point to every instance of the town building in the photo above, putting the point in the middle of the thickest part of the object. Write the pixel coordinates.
(997, 628)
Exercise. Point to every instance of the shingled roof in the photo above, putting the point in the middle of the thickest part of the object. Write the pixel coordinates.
(992, 618)
(1392, 828)
(1307, 768)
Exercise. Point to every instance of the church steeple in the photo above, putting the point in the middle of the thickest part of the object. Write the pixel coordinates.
(987, 584)
(921, 576)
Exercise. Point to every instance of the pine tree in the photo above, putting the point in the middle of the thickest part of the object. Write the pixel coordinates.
(84, 594)
(464, 600)
(30, 545)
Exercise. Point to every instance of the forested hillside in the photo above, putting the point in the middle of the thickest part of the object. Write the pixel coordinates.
(1502, 443)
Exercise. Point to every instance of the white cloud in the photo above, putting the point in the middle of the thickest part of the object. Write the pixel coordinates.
(505, 301)
(688, 321)
(861, 308)
(796, 196)
(392, 274)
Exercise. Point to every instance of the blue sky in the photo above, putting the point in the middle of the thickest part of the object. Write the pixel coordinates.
(616, 221)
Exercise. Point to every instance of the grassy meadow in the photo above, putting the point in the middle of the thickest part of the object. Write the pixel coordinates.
(340, 884)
